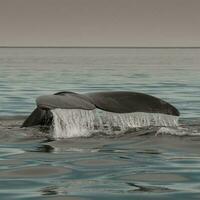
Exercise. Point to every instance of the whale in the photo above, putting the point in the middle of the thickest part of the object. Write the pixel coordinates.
(110, 101)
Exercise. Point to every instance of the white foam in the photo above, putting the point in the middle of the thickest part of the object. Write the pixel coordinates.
(139, 119)
(72, 123)
(76, 122)
(178, 131)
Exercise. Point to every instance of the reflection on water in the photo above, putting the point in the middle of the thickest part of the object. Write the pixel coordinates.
(44, 148)
(121, 167)
(148, 163)
(51, 190)
(140, 188)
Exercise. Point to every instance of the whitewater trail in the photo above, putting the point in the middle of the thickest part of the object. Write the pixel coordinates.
(69, 123)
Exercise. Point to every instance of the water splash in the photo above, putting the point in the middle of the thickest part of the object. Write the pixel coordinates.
(76, 123)
(139, 119)
(72, 123)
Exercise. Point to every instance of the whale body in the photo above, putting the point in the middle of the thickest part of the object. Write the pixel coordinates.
(115, 102)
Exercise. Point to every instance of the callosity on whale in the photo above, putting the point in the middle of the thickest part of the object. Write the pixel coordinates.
(115, 102)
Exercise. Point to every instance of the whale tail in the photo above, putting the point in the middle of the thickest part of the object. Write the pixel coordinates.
(128, 102)
(38, 117)
(115, 102)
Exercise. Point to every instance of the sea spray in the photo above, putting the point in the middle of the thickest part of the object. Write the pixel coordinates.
(72, 122)
(77, 123)
(139, 119)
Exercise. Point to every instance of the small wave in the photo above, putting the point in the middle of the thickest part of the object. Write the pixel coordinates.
(178, 131)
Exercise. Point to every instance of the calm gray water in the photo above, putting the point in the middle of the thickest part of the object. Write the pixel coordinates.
(138, 165)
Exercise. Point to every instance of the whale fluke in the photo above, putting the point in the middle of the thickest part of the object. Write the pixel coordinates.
(115, 102)
(65, 100)
(38, 117)
(127, 102)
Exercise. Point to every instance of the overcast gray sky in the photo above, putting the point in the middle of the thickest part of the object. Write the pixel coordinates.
(99, 22)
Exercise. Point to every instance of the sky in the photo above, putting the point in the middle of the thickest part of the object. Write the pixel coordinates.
(130, 23)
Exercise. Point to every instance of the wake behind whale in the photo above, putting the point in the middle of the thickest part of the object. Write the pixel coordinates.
(73, 115)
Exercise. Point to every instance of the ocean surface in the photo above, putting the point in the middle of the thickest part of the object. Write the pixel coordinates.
(142, 164)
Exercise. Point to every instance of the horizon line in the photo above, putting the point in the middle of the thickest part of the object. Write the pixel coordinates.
(111, 47)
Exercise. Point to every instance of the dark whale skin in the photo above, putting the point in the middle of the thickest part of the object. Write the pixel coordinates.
(127, 102)
(116, 102)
